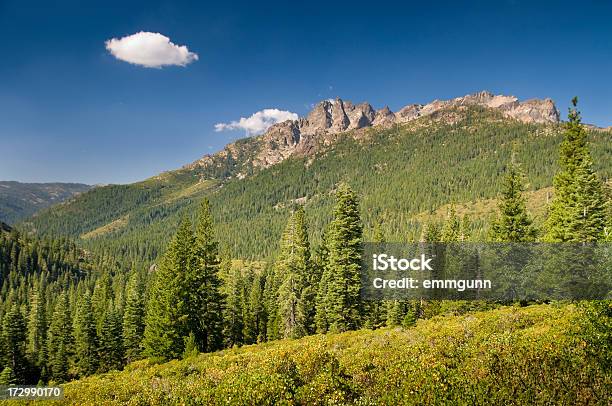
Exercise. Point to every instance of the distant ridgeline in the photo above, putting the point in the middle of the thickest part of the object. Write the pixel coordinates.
(21, 200)
(407, 167)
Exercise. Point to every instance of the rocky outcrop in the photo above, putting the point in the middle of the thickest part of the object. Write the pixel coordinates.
(530, 111)
(336, 116)
(332, 117)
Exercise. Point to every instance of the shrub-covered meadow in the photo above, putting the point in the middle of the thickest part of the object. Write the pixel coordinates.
(511, 355)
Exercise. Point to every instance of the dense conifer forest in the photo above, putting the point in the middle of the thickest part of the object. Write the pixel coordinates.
(71, 308)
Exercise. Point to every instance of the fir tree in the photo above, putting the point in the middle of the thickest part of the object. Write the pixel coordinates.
(513, 223)
(166, 321)
(133, 318)
(578, 210)
(7, 377)
(60, 340)
(292, 268)
(339, 305)
(254, 328)
(111, 341)
(233, 313)
(14, 343)
(85, 337)
(205, 300)
(37, 326)
(451, 231)
(102, 295)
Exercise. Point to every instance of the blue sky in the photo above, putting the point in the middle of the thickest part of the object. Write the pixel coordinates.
(71, 111)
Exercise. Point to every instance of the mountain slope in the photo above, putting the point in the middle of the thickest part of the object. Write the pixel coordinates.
(21, 200)
(509, 355)
(456, 153)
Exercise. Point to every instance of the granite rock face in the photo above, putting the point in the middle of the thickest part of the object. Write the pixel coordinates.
(329, 118)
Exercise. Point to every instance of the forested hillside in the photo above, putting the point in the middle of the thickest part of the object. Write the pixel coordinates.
(67, 312)
(21, 200)
(400, 173)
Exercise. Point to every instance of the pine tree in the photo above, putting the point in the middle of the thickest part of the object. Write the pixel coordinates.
(375, 310)
(292, 268)
(513, 223)
(85, 337)
(578, 210)
(111, 341)
(7, 377)
(205, 300)
(395, 313)
(37, 326)
(166, 321)
(14, 343)
(133, 318)
(60, 340)
(102, 295)
(432, 232)
(339, 306)
(451, 231)
(254, 321)
(233, 312)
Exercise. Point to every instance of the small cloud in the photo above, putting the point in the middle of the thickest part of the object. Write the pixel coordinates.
(150, 49)
(259, 122)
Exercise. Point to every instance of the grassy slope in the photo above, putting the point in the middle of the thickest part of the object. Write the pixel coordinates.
(505, 356)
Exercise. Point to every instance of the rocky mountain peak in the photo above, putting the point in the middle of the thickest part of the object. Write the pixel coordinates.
(333, 116)
(336, 116)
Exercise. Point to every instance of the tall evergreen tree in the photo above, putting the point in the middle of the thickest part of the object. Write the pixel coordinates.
(102, 295)
(292, 268)
(578, 210)
(513, 223)
(340, 304)
(7, 377)
(111, 340)
(14, 343)
(60, 340)
(133, 318)
(451, 230)
(205, 300)
(255, 322)
(85, 337)
(233, 312)
(166, 321)
(37, 326)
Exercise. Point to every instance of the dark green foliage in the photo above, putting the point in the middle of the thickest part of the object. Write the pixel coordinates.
(111, 341)
(37, 326)
(234, 310)
(457, 162)
(13, 343)
(167, 313)
(204, 297)
(198, 300)
(85, 337)
(133, 318)
(293, 269)
(60, 340)
(339, 301)
(7, 377)
(514, 223)
(579, 207)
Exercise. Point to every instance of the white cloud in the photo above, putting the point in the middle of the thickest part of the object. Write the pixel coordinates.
(259, 122)
(150, 49)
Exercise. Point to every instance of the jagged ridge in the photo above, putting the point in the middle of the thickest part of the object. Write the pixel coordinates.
(331, 117)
